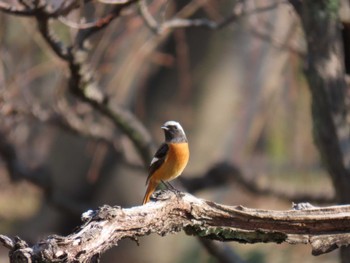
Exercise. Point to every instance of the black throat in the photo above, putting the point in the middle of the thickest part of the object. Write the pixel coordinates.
(175, 136)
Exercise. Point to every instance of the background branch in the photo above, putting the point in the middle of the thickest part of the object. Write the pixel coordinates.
(180, 21)
(224, 173)
(83, 85)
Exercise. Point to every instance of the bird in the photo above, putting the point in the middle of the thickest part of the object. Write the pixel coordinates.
(170, 159)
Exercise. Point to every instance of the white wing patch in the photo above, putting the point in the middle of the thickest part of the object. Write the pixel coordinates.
(155, 159)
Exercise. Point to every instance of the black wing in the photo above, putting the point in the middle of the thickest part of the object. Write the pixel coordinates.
(157, 160)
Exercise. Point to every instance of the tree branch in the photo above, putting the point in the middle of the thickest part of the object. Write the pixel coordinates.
(14, 10)
(62, 117)
(180, 22)
(325, 229)
(82, 84)
(223, 173)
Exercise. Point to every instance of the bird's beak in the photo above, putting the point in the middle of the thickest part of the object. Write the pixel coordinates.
(164, 128)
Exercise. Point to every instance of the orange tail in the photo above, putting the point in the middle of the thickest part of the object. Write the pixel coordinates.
(152, 185)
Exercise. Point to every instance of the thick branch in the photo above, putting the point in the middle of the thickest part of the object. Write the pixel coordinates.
(324, 228)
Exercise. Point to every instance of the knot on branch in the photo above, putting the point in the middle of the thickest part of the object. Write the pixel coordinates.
(19, 250)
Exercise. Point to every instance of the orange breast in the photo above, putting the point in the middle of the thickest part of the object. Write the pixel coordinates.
(174, 164)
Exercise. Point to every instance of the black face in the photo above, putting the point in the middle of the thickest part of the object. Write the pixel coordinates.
(174, 134)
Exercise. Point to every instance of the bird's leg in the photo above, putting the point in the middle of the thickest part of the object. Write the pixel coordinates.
(165, 184)
(170, 187)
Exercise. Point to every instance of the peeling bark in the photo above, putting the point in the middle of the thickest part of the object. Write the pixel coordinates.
(325, 229)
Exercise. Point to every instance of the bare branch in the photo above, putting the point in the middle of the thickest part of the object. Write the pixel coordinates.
(266, 36)
(181, 22)
(32, 10)
(259, 30)
(63, 118)
(14, 10)
(66, 7)
(84, 34)
(67, 120)
(82, 84)
(115, 2)
(56, 45)
(325, 229)
(223, 173)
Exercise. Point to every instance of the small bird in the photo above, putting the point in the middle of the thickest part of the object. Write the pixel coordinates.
(170, 159)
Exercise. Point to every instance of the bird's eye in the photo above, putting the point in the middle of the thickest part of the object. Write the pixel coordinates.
(175, 127)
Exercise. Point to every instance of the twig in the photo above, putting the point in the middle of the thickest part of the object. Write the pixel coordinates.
(13, 10)
(31, 10)
(63, 118)
(84, 34)
(115, 2)
(181, 22)
(56, 45)
(257, 29)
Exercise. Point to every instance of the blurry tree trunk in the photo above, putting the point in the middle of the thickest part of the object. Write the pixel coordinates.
(325, 74)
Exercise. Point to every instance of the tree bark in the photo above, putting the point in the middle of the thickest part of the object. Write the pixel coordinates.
(325, 73)
(325, 229)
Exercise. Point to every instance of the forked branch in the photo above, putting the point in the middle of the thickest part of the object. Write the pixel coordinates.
(325, 229)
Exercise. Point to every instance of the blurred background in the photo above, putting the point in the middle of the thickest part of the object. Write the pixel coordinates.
(239, 92)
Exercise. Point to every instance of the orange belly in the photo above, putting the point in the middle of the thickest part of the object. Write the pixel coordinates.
(174, 164)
